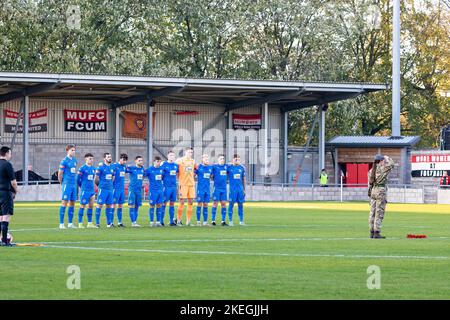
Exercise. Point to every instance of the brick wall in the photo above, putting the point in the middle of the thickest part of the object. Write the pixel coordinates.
(366, 155)
(265, 193)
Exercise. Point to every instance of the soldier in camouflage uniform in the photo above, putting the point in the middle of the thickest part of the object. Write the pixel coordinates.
(377, 193)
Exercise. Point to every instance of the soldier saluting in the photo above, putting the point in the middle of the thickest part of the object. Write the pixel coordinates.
(382, 166)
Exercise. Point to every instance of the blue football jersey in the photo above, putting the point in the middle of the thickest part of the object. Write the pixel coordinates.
(137, 176)
(155, 177)
(105, 174)
(69, 168)
(86, 176)
(203, 173)
(235, 176)
(220, 176)
(170, 171)
(119, 175)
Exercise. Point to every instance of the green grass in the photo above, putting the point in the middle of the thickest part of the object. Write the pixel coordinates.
(288, 251)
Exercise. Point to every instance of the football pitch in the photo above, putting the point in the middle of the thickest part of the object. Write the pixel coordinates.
(290, 250)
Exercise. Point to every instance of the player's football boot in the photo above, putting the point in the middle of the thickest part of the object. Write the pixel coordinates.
(62, 226)
(135, 225)
(224, 224)
(241, 223)
(199, 223)
(179, 223)
(205, 223)
(80, 226)
(120, 225)
(213, 223)
(8, 244)
(71, 226)
(377, 235)
(91, 225)
(231, 224)
(371, 234)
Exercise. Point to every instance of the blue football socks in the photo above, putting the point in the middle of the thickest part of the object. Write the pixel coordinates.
(80, 215)
(70, 212)
(62, 212)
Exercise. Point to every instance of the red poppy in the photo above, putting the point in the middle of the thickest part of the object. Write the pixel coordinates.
(416, 236)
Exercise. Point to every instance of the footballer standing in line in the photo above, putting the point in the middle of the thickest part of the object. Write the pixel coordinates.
(136, 174)
(120, 168)
(156, 191)
(219, 174)
(67, 176)
(186, 180)
(104, 180)
(85, 180)
(170, 173)
(236, 177)
(203, 172)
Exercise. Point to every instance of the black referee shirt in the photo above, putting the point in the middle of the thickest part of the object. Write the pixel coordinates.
(6, 175)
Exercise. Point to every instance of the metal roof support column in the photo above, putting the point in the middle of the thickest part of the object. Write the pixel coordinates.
(228, 135)
(322, 139)
(26, 125)
(116, 133)
(150, 107)
(337, 170)
(266, 137)
(396, 71)
(285, 145)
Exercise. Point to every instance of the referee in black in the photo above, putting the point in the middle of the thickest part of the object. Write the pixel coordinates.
(8, 191)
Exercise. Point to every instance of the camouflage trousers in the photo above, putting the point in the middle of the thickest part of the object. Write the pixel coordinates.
(377, 208)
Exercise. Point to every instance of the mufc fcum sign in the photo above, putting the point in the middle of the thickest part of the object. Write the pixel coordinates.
(38, 121)
(429, 165)
(85, 120)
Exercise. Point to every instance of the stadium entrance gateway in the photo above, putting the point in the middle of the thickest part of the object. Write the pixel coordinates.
(91, 111)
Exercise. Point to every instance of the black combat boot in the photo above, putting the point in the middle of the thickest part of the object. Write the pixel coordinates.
(377, 235)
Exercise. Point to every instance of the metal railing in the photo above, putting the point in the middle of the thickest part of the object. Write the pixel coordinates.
(428, 192)
(332, 192)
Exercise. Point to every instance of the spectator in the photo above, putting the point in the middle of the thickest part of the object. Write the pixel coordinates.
(445, 180)
(324, 178)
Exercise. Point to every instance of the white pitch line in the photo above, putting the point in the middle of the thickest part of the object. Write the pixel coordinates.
(305, 255)
(300, 226)
(33, 229)
(205, 240)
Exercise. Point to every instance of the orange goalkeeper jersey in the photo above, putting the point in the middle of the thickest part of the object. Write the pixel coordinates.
(186, 171)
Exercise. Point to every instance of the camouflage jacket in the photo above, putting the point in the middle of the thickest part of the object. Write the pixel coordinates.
(381, 174)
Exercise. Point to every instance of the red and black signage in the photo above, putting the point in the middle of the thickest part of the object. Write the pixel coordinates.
(185, 112)
(38, 121)
(429, 165)
(246, 121)
(85, 120)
